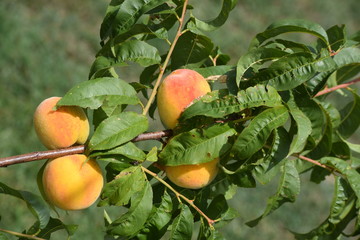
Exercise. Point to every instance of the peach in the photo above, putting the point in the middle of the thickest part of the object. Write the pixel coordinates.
(62, 127)
(193, 176)
(178, 90)
(72, 182)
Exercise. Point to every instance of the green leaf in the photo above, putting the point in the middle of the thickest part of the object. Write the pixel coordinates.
(35, 203)
(347, 56)
(118, 129)
(218, 104)
(52, 226)
(343, 167)
(158, 221)
(122, 15)
(271, 165)
(103, 67)
(303, 127)
(288, 189)
(183, 224)
(137, 51)
(94, 93)
(350, 117)
(191, 50)
(134, 219)
(217, 22)
(289, 26)
(197, 146)
(129, 150)
(219, 209)
(292, 70)
(254, 136)
(119, 191)
(255, 57)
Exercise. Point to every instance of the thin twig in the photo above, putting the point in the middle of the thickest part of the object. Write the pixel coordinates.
(344, 85)
(41, 155)
(20, 234)
(179, 195)
(167, 59)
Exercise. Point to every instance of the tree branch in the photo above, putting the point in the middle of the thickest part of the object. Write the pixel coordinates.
(41, 155)
(344, 85)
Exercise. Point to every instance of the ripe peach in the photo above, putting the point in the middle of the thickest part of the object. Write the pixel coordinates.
(177, 91)
(60, 128)
(72, 182)
(193, 176)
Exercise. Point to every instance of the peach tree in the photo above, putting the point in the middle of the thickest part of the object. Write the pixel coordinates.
(270, 116)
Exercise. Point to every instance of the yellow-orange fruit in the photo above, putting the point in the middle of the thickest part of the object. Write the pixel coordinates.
(193, 176)
(177, 92)
(60, 128)
(72, 182)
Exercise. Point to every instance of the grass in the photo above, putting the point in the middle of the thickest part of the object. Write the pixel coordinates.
(48, 47)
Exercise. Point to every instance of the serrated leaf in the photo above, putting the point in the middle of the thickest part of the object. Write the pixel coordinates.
(254, 136)
(94, 93)
(352, 176)
(137, 51)
(197, 146)
(254, 57)
(122, 15)
(215, 23)
(287, 26)
(342, 197)
(303, 127)
(135, 218)
(119, 191)
(129, 150)
(183, 224)
(191, 50)
(288, 189)
(292, 70)
(350, 117)
(158, 221)
(218, 104)
(270, 167)
(35, 203)
(117, 130)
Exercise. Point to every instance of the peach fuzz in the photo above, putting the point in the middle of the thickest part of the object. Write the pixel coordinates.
(193, 176)
(178, 90)
(62, 127)
(72, 182)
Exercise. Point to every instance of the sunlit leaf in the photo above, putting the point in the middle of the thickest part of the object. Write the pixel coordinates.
(254, 136)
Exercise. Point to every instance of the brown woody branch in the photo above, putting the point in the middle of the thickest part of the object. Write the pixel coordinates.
(344, 85)
(41, 155)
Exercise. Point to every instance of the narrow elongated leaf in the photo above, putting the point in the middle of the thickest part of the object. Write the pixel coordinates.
(217, 22)
(119, 191)
(342, 196)
(303, 126)
(253, 57)
(287, 26)
(160, 218)
(197, 146)
(122, 15)
(92, 94)
(191, 50)
(288, 189)
(350, 117)
(271, 165)
(293, 70)
(129, 150)
(52, 226)
(35, 203)
(117, 130)
(183, 224)
(347, 56)
(352, 176)
(254, 136)
(133, 220)
(218, 104)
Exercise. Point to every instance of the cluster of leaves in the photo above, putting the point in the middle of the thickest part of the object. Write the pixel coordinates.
(263, 122)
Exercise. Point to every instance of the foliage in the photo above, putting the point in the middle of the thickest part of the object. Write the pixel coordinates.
(269, 119)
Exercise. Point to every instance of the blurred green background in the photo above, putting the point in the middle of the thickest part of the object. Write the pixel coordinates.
(46, 47)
